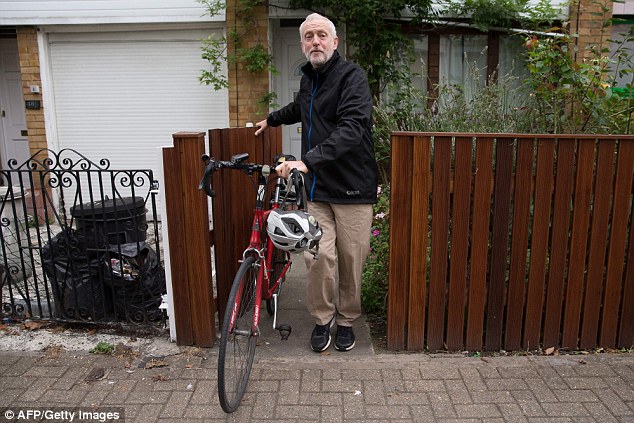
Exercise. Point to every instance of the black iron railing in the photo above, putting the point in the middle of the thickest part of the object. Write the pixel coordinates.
(80, 241)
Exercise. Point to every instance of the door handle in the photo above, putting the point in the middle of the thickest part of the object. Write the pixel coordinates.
(4, 114)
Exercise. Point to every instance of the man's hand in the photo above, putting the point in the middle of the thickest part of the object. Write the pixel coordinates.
(284, 168)
(262, 125)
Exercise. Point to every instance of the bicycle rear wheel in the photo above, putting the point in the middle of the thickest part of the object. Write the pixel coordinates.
(237, 342)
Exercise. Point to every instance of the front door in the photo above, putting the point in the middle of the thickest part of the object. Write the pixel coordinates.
(289, 59)
(14, 143)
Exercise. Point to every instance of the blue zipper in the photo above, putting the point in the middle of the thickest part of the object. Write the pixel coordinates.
(315, 84)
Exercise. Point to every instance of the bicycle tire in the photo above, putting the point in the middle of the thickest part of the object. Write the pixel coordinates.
(237, 344)
(279, 261)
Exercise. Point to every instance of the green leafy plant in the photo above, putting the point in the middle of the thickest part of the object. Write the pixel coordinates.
(502, 14)
(255, 57)
(573, 87)
(375, 273)
(103, 348)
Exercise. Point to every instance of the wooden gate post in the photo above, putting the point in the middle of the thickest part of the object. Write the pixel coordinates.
(189, 242)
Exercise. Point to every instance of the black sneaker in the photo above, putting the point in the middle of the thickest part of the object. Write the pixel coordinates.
(344, 340)
(320, 339)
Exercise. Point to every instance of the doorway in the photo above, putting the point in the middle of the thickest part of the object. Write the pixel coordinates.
(288, 60)
(14, 143)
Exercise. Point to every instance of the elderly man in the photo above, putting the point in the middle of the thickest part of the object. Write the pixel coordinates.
(334, 106)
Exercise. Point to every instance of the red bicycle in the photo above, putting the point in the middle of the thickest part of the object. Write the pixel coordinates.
(260, 276)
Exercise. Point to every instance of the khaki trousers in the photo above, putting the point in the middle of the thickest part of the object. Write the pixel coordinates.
(344, 246)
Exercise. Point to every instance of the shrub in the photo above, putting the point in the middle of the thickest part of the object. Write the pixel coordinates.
(375, 273)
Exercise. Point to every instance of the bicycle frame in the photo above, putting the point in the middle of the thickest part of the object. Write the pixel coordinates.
(263, 253)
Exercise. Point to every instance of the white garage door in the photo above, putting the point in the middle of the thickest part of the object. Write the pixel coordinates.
(120, 95)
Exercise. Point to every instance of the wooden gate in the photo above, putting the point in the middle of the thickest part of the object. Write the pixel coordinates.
(190, 239)
(527, 236)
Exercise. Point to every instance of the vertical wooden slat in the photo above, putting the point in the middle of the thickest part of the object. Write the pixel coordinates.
(439, 242)
(578, 243)
(479, 243)
(400, 220)
(544, 183)
(459, 243)
(559, 241)
(626, 328)
(519, 246)
(191, 235)
(499, 243)
(618, 236)
(418, 244)
(598, 242)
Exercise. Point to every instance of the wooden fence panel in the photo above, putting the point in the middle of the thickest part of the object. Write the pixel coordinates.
(544, 184)
(598, 242)
(439, 242)
(418, 245)
(519, 246)
(235, 200)
(559, 242)
(567, 277)
(400, 221)
(621, 213)
(578, 242)
(459, 243)
(480, 243)
(499, 243)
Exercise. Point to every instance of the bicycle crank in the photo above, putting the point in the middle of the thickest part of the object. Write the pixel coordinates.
(285, 331)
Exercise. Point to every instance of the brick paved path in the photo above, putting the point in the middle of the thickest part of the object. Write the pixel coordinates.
(330, 388)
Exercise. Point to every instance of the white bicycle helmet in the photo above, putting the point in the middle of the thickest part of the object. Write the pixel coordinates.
(293, 231)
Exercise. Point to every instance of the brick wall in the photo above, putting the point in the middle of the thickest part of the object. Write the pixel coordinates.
(30, 69)
(246, 88)
(587, 18)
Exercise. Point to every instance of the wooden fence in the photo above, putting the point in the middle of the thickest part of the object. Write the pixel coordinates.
(511, 242)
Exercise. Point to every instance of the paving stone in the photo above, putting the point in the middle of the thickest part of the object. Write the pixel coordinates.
(480, 411)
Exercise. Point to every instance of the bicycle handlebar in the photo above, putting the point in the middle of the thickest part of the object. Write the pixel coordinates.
(237, 162)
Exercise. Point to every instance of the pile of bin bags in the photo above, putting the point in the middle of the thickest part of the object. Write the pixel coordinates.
(92, 280)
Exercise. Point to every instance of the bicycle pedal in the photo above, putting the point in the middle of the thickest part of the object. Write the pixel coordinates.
(285, 331)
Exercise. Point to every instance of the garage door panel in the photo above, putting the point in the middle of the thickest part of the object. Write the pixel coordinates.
(118, 99)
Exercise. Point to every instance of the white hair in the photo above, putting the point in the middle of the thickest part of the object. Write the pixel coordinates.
(315, 17)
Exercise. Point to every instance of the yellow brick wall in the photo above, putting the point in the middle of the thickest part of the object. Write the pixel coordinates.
(587, 18)
(246, 88)
(30, 69)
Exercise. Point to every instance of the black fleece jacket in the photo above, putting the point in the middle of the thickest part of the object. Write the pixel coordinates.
(334, 106)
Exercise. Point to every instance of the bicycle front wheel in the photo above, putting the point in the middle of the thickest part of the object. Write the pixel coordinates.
(237, 342)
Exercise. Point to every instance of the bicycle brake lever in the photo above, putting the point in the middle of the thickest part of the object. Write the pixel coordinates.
(297, 182)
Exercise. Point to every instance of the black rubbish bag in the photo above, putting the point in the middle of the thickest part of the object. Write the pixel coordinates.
(71, 261)
(136, 279)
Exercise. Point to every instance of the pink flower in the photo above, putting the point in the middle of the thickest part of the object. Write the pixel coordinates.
(375, 233)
